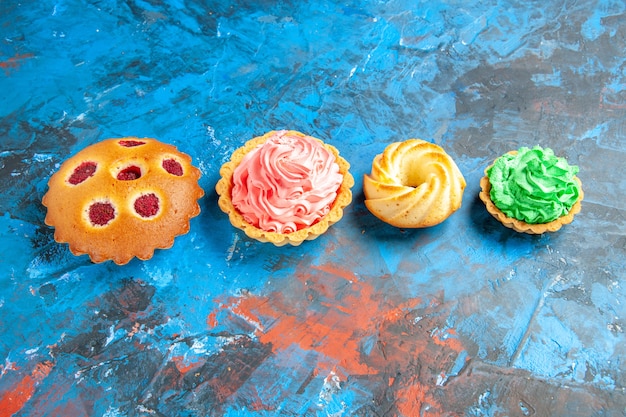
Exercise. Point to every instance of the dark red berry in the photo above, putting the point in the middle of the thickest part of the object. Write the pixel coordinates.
(101, 214)
(82, 172)
(131, 143)
(129, 173)
(147, 205)
(173, 167)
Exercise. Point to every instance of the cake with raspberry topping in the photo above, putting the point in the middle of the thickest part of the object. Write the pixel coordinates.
(123, 198)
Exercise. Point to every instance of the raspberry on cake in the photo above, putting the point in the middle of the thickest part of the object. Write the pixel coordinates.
(123, 198)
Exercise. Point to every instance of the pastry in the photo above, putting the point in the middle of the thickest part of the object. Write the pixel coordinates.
(532, 190)
(413, 184)
(285, 187)
(122, 198)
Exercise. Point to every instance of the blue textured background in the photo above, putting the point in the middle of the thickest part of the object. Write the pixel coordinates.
(465, 318)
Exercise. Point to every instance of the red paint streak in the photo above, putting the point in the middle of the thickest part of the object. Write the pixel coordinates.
(332, 312)
(327, 329)
(221, 390)
(14, 62)
(182, 366)
(336, 271)
(14, 399)
(10, 366)
(415, 400)
(446, 340)
(358, 329)
(345, 310)
(257, 404)
(211, 320)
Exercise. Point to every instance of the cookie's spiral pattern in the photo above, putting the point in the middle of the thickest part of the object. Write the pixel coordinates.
(413, 184)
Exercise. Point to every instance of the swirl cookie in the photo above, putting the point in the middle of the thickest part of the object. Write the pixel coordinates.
(413, 184)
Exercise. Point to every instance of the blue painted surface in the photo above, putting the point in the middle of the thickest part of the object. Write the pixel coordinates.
(465, 318)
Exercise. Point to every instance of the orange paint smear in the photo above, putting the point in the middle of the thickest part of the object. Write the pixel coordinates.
(337, 272)
(256, 404)
(324, 333)
(14, 399)
(211, 320)
(183, 366)
(415, 400)
(344, 310)
(357, 329)
(14, 62)
(450, 342)
(333, 322)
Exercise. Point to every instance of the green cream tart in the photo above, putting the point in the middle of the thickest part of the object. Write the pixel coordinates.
(533, 185)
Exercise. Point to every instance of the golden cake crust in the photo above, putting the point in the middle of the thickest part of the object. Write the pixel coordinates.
(522, 226)
(413, 184)
(162, 173)
(225, 185)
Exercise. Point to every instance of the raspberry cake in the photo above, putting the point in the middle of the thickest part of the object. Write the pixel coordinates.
(123, 198)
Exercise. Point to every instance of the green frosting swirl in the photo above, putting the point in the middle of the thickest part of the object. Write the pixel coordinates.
(533, 185)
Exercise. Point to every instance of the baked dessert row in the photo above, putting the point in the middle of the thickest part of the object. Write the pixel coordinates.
(124, 198)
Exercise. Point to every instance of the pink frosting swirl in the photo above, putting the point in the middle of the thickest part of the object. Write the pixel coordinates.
(287, 183)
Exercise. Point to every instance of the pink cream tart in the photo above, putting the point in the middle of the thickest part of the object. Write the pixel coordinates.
(287, 183)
